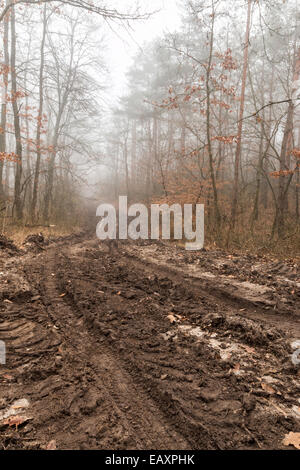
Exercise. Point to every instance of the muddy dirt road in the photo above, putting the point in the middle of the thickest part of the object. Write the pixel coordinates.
(146, 347)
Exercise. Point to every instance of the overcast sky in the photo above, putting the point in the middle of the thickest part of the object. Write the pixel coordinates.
(123, 45)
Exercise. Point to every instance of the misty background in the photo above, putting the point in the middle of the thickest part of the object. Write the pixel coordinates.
(188, 101)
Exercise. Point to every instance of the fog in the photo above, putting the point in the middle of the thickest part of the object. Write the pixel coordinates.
(161, 101)
(124, 42)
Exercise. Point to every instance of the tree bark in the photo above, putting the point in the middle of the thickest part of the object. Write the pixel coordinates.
(17, 127)
(4, 105)
(240, 125)
(217, 215)
(33, 214)
(285, 148)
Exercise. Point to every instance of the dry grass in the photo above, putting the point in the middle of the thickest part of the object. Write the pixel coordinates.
(18, 234)
(258, 242)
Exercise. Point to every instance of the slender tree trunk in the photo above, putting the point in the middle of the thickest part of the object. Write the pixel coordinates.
(217, 216)
(183, 139)
(297, 183)
(39, 122)
(133, 155)
(63, 101)
(282, 178)
(27, 173)
(285, 148)
(50, 179)
(149, 164)
(126, 168)
(4, 104)
(261, 152)
(18, 175)
(266, 163)
(255, 214)
(116, 171)
(240, 125)
(7, 178)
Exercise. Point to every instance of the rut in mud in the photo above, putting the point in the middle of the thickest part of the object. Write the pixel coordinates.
(146, 347)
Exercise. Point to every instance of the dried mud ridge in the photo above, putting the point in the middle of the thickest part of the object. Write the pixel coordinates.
(146, 347)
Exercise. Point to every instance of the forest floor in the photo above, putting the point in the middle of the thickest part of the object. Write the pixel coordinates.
(146, 346)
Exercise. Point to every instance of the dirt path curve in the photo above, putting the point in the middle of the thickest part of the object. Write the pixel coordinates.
(110, 350)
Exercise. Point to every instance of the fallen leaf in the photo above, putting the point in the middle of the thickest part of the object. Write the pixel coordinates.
(292, 439)
(249, 349)
(35, 298)
(15, 421)
(180, 317)
(63, 295)
(163, 377)
(172, 318)
(237, 369)
(7, 376)
(267, 388)
(51, 445)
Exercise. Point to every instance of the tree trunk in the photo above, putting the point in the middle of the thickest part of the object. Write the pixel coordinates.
(133, 155)
(217, 216)
(39, 123)
(4, 104)
(17, 127)
(285, 149)
(240, 125)
(297, 210)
